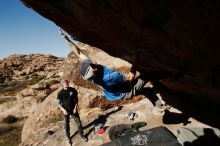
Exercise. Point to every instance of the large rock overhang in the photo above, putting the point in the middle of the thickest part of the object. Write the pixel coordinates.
(171, 36)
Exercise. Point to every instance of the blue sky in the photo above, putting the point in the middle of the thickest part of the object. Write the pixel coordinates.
(23, 31)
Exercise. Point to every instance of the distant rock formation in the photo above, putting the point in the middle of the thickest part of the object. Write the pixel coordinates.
(180, 37)
(23, 67)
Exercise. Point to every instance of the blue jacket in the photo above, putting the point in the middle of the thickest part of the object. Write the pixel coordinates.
(111, 83)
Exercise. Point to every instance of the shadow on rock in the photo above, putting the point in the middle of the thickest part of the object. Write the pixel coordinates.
(101, 119)
(175, 118)
(209, 138)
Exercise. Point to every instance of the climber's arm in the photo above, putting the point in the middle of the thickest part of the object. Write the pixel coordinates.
(74, 47)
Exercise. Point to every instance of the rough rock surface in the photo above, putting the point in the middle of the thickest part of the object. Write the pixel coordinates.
(53, 133)
(174, 36)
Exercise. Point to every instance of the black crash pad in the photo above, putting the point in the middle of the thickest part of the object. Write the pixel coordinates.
(158, 136)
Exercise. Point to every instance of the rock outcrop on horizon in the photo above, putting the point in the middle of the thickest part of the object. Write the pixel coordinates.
(180, 37)
(23, 67)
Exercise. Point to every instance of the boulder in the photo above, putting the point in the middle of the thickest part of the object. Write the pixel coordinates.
(179, 37)
(40, 86)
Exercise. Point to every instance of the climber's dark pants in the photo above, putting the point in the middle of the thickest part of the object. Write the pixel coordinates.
(137, 87)
(134, 88)
(67, 125)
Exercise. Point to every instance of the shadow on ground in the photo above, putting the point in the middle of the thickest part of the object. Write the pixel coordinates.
(204, 112)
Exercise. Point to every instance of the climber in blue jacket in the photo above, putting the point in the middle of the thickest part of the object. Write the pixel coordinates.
(114, 85)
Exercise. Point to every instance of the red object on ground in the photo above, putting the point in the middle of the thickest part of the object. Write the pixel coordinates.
(101, 131)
